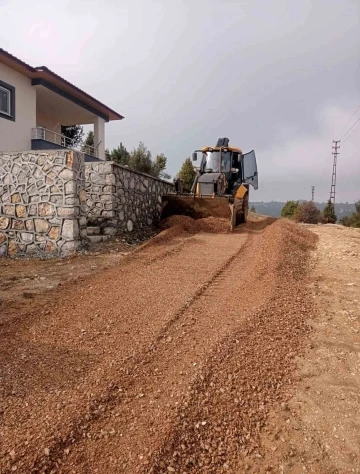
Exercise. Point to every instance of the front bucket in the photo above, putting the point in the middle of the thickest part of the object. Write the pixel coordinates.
(197, 207)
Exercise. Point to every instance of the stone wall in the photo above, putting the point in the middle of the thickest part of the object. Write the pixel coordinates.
(119, 199)
(42, 202)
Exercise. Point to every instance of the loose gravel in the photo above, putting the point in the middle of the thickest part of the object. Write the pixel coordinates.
(167, 363)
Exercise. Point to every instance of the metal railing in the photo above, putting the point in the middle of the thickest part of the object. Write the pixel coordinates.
(40, 133)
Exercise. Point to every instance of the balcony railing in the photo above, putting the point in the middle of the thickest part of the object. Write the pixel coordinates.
(40, 133)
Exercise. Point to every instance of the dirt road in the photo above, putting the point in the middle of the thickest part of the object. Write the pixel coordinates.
(174, 360)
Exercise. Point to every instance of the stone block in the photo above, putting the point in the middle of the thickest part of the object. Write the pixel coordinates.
(12, 248)
(70, 229)
(41, 225)
(20, 210)
(109, 230)
(129, 225)
(74, 201)
(4, 222)
(27, 237)
(18, 225)
(57, 198)
(50, 247)
(46, 209)
(2, 237)
(66, 174)
(108, 213)
(29, 224)
(32, 210)
(68, 211)
(16, 198)
(70, 187)
(54, 233)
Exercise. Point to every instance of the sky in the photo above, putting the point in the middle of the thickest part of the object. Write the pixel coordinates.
(280, 77)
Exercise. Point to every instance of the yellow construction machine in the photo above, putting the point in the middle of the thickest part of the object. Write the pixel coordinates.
(220, 188)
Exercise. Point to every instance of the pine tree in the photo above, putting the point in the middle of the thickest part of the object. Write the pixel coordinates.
(329, 213)
(289, 209)
(73, 132)
(120, 155)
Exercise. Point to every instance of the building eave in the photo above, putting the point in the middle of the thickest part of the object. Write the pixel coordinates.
(46, 74)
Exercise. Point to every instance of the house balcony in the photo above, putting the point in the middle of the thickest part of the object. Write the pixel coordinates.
(43, 139)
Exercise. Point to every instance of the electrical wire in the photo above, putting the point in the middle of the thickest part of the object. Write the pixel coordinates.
(350, 119)
(352, 133)
(350, 129)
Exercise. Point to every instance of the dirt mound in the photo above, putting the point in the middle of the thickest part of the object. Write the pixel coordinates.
(214, 225)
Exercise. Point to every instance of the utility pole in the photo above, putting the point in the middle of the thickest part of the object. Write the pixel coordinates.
(335, 147)
(312, 193)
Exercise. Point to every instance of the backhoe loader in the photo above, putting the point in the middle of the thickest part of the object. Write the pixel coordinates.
(220, 188)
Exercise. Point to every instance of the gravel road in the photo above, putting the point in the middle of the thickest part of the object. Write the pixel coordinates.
(168, 362)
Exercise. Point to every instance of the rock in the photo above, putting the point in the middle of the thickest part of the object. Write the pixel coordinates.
(27, 237)
(29, 224)
(70, 229)
(9, 210)
(129, 225)
(4, 222)
(20, 210)
(12, 249)
(41, 225)
(54, 233)
(68, 211)
(46, 209)
(66, 174)
(16, 198)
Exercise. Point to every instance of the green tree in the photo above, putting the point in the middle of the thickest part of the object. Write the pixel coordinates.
(253, 208)
(89, 141)
(120, 155)
(140, 160)
(187, 174)
(329, 213)
(354, 219)
(308, 213)
(74, 132)
(289, 209)
(159, 166)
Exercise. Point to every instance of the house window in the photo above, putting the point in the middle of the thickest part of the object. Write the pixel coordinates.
(7, 101)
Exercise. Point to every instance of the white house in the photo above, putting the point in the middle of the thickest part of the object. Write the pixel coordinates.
(36, 102)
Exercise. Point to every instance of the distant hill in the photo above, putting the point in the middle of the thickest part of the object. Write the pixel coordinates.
(273, 208)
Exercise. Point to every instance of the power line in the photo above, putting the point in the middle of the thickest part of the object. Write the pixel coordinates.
(352, 133)
(351, 128)
(350, 119)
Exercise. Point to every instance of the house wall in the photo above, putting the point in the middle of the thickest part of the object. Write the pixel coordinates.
(17, 135)
(47, 122)
(42, 202)
(119, 199)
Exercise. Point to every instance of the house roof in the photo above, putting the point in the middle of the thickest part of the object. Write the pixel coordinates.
(46, 74)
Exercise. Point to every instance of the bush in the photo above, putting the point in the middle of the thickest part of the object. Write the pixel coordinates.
(308, 213)
(289, 209)
(354, 219)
